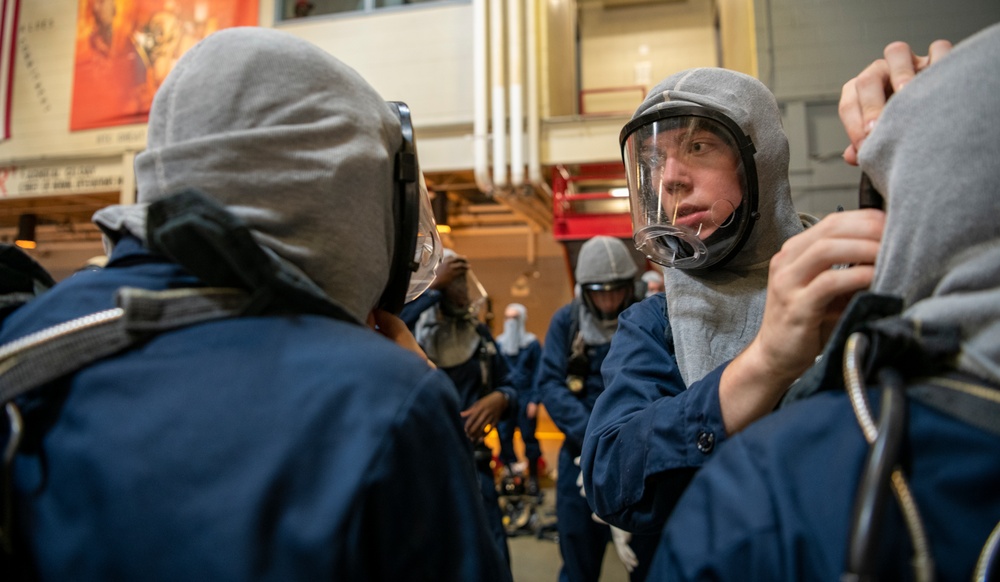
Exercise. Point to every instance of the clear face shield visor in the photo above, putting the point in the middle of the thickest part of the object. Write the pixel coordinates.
(427, 254)
(465, 296)
(608, 300)
(692, 186)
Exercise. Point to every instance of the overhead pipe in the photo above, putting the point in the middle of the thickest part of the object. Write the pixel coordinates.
(480, 98)
(521, 195)
(491, 88)
(497, 95)
(534, 135)
(515, 91)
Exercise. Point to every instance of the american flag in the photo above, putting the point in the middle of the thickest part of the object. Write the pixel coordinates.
(8, 49)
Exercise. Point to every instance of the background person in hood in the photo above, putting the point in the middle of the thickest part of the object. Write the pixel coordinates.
(446, 324)
(654, 282)
(569, 382)
(284, 439)
(523, 352)
(707, 167)
(803, 494)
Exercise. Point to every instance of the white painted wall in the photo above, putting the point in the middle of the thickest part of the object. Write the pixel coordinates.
(43, 78)
(423, 55)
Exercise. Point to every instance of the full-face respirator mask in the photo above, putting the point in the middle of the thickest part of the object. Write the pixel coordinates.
(692, 185)
(418, 248)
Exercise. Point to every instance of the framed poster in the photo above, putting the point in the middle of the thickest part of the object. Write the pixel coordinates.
(125, 48)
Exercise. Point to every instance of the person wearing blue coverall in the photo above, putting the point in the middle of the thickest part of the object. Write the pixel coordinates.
(569, 382)
(707, 164)
(444, 321)
(523, 352)
(901, 416)
(285, 439)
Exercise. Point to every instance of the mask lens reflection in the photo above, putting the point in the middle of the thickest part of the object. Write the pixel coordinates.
(428, 252)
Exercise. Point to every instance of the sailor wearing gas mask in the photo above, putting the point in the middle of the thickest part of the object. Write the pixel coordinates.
(885, 464)
(707, 168)
(446, 324)
(251, 425)
(569, 382)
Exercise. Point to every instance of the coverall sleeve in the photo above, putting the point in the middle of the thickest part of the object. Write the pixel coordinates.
(423, 486)
(412, 310)
(648, 434)
(567, 410)
(504, 377)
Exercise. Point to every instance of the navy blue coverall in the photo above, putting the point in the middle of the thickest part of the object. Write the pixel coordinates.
(648, 433)
(269, 447)
(776, 502)
(582, 541)
(467, 378)
(524, 367)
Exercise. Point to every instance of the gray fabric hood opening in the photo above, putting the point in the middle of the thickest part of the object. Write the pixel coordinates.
(716, 312)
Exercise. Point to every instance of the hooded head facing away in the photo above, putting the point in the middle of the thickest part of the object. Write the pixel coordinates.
(290, 140)
(717, 310)
(935, 156)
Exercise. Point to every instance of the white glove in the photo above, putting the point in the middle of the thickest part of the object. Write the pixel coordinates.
(625, 553)
(579, 478)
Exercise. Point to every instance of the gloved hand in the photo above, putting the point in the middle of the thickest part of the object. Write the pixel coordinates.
(579, 478)
(621, 538)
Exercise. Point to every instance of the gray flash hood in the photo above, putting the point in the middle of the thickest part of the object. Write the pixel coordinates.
(715, 313)
(293, 142)
(935, 155)
(602, 259)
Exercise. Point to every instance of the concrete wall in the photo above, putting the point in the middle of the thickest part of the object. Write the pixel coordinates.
(808, 49)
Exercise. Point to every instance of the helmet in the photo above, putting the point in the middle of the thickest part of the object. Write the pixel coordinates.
(692, 185)
(606, 273)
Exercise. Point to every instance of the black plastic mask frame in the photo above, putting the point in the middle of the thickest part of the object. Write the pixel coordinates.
(588, 301)
(405, 212)
(868, 196)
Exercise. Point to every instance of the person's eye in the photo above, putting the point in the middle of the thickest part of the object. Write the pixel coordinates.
(701, 147)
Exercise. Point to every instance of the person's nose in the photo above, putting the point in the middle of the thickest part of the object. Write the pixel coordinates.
(675, 179)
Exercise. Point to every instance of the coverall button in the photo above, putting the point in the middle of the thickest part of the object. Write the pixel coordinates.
(706, 442)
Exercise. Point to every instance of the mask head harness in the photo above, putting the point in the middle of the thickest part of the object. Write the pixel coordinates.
(692, 185)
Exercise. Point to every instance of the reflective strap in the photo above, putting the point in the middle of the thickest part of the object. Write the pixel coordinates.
(39, 358)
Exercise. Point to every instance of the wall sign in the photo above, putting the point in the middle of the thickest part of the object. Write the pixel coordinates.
(83, 178)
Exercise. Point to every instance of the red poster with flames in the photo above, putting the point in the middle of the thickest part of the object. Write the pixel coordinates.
(125, 48)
